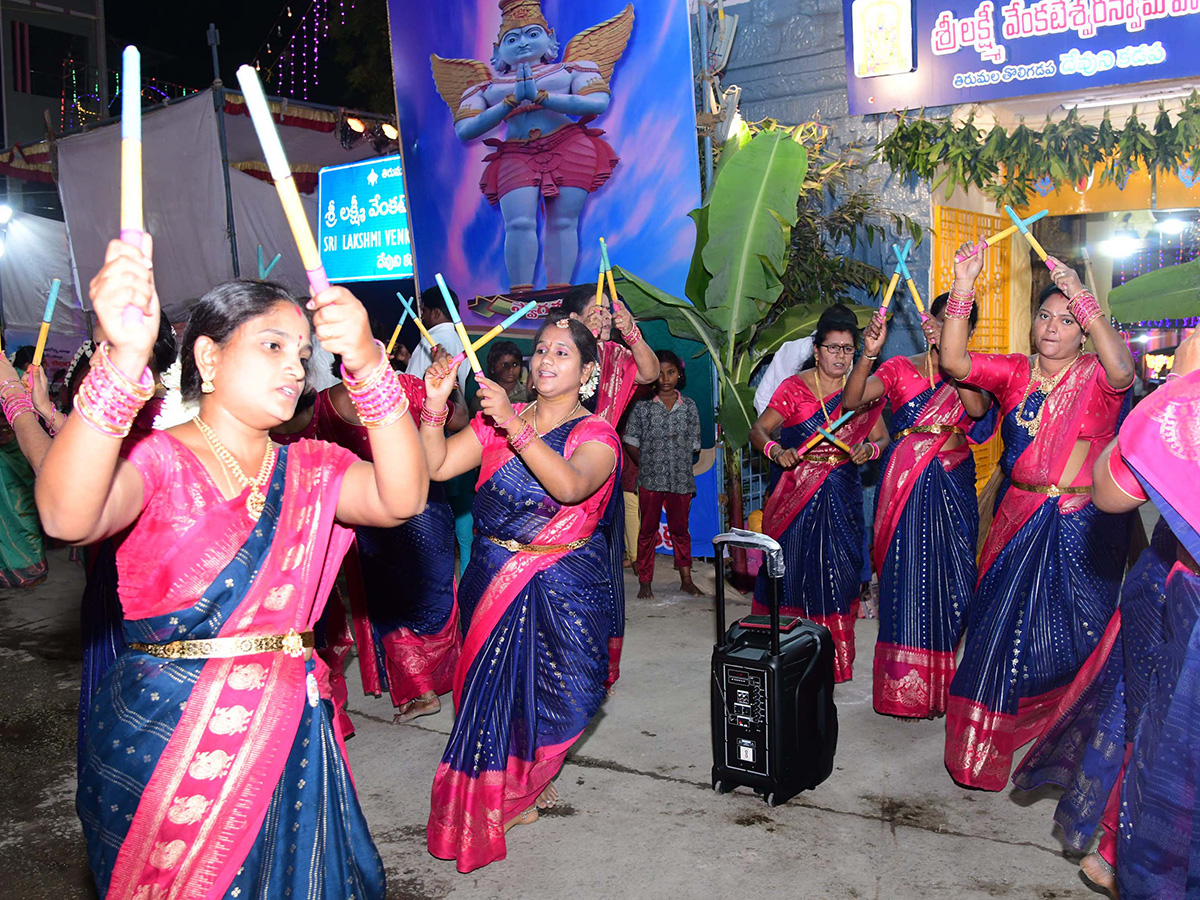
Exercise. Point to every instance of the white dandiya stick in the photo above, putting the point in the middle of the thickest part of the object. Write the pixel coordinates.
(281, 174)
(132, 221)
(44, 331)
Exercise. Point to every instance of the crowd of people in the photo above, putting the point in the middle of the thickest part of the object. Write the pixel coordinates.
(481, 529)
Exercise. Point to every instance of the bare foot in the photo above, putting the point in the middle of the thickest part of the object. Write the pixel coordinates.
(645, 591)
(627, 563)
(548, 799)
(689, 587)
(425, 705)
(1097, 870)
(528, 817)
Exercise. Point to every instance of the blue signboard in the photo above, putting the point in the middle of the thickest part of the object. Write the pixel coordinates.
(905, 54)
(362, 213)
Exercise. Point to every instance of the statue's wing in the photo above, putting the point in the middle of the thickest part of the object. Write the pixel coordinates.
(455, 76)
(602, 44)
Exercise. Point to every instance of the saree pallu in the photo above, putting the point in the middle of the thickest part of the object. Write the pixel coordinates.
(815, 511)
(402, 595)
(618, 383)
(535, 658)
(223, 777)
(1159, 841)
(926, 524)
(1084, 749)
(1049, 576)
(22, 549)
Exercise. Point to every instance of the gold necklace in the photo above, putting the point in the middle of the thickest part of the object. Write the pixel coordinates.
(1043, 385)
(257, 499)
(533, 406)
(821, 392)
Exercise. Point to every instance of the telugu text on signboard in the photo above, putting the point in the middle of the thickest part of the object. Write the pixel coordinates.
(363, 221)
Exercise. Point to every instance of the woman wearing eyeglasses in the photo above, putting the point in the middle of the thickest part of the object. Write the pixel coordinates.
(814, 508)
(1051, 566)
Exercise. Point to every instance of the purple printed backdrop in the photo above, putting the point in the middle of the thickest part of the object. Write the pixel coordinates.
(650, 123)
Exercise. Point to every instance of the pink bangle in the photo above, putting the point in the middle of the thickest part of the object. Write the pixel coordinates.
(378, 399)
(523, 438)
(15, 403)
(108, 400)
(1085, 308)
(959, 305)
(874, 449)
(435, 420)
(634, 337)
(504, 424)
(767, 449)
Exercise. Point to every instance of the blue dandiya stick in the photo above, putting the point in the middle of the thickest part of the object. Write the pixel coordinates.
(452, 308)
(396, 334)
(833, 439)
(417, 320)
(44, 331)
(1023, 227)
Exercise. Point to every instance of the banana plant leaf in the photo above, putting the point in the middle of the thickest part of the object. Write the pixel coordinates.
(747, 243)
(1170, 293)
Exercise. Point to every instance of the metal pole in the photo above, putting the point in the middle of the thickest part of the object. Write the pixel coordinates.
(705, 79)
(101, 59)
(218, 89)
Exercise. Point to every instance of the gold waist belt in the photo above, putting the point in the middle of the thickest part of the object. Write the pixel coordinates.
(293, 643)
(929, 429)
(829, 459)
(516, 547)
(1052, 489)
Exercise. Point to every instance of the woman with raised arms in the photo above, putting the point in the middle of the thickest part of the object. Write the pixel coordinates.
(211, 767)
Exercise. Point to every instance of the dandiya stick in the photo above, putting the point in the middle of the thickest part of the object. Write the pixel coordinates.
(396, 334)
(1022, 225)
(44, 331)
(834, 439)
(612, 287)
(132, 221)
(887, 295)
(417, 321)
(834, 426)
(281, 174)
(452, 308)
(497, 329)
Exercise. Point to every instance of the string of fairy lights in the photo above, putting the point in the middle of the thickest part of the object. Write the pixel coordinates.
(291, 56)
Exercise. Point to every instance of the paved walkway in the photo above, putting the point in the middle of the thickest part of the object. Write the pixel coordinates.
(637, 819)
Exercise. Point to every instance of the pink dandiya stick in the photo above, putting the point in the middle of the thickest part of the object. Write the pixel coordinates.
(132, 221)
(281, 174)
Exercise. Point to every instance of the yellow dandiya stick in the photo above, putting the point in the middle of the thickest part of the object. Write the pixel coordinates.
(281, 174)
(612, 287)
(600, 285)
(452, 308)
(887, 295)
(44, 331)
(1022, 226)
(432, 341)
(396, 334)
(834, 426)
(497, 329)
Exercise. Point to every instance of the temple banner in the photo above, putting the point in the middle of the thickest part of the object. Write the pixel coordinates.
(362, 221)
(902, 54)
(530, 130)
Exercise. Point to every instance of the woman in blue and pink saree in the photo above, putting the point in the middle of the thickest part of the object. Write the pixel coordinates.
(1052, 563)
(535, 595)
(815, 506)
(926, 519)
(211, 767)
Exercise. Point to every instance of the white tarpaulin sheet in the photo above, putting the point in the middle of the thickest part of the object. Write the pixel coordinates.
(36, 253)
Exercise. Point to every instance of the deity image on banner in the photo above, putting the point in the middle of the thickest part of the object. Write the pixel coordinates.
(883, 37)
(549, 160)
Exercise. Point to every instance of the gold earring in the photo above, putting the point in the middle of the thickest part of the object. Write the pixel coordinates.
(206, 386)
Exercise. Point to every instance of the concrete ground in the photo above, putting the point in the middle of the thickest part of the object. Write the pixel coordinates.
(638, 818)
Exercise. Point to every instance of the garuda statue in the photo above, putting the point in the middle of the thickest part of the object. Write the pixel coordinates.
(547, 160)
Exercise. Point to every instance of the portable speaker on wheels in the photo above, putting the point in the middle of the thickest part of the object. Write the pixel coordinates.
(774, 724)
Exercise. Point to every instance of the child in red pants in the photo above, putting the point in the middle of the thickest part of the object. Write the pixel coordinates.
(662, 437)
